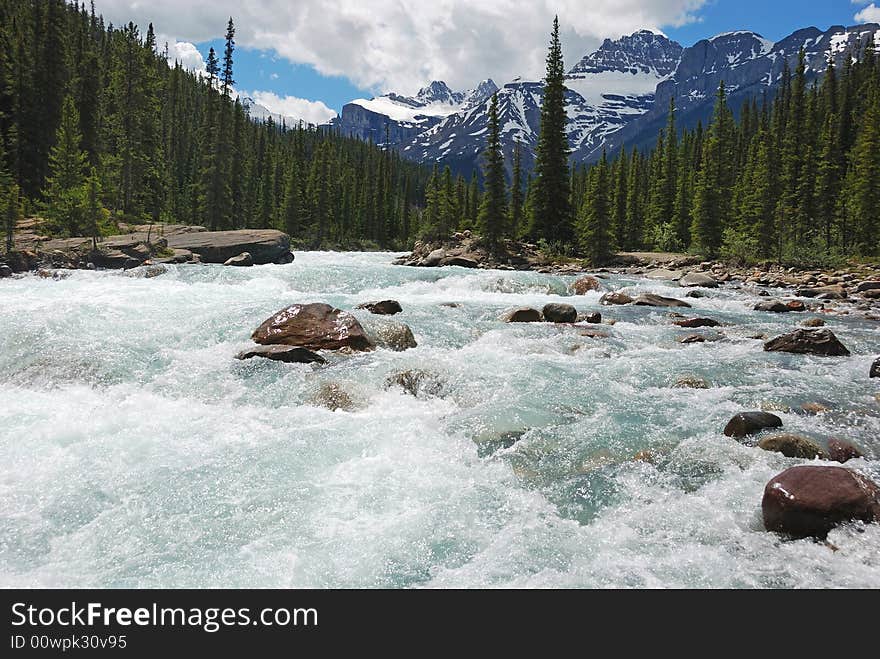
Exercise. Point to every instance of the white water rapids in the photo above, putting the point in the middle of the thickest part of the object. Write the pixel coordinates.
(135, 451)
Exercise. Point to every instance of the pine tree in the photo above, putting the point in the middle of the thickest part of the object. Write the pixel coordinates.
(713, 194)
(861, 194)
(493, 210)
(516, 192)
(227, 81)
(551, 204)
(292, 212)
(595, 217)
(67, 163)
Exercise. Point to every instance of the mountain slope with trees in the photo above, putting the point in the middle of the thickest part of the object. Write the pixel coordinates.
(96, 127)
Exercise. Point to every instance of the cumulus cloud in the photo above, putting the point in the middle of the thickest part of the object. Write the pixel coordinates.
(187, 54)
(400, 45)
(870, 14)
(312, 112)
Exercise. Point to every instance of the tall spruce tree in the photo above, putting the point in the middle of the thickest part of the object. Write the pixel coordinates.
(594, 226)
(67, 166)
(493, 210)
(516, 192)
(551, 195)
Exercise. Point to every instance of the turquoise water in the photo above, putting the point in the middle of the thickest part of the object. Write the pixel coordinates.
(136, 452)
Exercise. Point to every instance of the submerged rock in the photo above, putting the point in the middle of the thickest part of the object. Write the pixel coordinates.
(814, 408)
(314, 326)
(522, 315)
(560, 313)
(243, 260)
(697, 280)
(692, 338)
(493, 442)
(147, 271)
(393, 336)
(594, 334)
(286, 354)
(792, 446)
(332, 396)
(875, 369)
(750, 423)
(584, 285)
(382, 308)
(615, 299)
(796, 306)
(808, 342)
(651, 300)
(813, 323)
(5, 271)
(809, 501)
(690, 382)
(415, 382)
(840, 450)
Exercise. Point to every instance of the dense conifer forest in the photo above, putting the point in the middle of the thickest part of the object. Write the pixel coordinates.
(97, 127)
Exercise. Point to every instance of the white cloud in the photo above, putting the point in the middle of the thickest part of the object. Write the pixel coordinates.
(870, 14)
(313, 112)
(187, 54)
(402, 44)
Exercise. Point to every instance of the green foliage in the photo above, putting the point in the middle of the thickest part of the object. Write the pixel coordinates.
(169, 145)
(550, 203)
(493, 210)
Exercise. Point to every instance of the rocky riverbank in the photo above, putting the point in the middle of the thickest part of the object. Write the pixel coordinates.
(139, 245)
(852, 289)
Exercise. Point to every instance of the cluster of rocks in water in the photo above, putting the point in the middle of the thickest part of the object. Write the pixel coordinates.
(145, 245)
(808, 500)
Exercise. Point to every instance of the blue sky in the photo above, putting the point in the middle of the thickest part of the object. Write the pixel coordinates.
(308, 58)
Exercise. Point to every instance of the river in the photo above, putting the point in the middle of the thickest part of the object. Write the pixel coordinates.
(137, 452)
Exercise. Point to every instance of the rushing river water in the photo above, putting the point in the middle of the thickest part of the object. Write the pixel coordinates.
(137, 452)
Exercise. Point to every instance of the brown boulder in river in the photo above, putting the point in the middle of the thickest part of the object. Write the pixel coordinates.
(615, 298)
(808, 342)
(840, 450)
(651, 300)
(314, 326)
(749, 423)
(584, 285)
(792, 446)
(695, 323)
(808, 501)
(522, 315)
(560, 313)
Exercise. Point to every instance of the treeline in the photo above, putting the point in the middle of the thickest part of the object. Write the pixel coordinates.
(793, 180)
(97, 128)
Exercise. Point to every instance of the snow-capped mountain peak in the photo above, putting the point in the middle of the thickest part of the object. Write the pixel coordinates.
(438, 92)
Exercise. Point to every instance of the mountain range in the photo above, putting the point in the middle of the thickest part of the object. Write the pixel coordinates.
(618, 96)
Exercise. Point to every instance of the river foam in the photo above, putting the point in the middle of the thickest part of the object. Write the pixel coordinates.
(137, 452)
